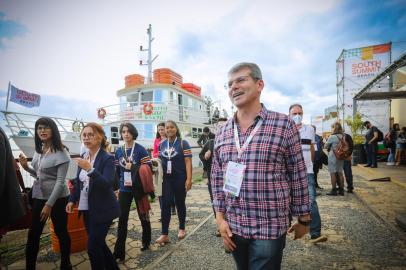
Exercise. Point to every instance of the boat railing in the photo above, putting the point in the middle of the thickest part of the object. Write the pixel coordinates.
(155, 111)
(23, 124)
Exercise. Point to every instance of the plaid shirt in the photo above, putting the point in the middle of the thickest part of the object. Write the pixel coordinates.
(275, 179)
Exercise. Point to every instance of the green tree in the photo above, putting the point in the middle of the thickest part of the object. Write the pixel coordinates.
(356, 125)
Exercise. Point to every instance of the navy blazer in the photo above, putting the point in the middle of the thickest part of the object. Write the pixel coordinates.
(103, 205)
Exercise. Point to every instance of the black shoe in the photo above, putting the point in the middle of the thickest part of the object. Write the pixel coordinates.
(144, 247)
(367, 165)
(121, 258)
(350, 190)
(333, 192)
(66, 267)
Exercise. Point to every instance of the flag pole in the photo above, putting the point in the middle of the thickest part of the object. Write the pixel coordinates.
(8, 95)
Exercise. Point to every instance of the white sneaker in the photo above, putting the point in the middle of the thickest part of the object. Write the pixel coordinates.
(390, 163)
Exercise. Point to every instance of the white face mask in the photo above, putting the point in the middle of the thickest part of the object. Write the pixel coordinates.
(297, 118)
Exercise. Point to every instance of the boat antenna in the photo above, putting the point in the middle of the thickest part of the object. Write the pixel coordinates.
(149, 50)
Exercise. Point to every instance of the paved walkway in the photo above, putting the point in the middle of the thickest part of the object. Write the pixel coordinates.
(360, 227)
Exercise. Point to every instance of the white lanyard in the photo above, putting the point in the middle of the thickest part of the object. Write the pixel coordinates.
(240, 149)
(172, 149)
(130, 158)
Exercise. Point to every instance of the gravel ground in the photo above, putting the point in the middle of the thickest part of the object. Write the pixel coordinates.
(357, 240)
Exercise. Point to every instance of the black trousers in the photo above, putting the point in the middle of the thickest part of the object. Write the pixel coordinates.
(59, 218)
(125, 199)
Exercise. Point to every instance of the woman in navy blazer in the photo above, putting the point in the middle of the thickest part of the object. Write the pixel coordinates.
(94, 192)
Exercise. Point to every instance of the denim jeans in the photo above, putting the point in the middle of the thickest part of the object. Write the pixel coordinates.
(258, 254)
(391, 157)
(348, 174)
(315, 225)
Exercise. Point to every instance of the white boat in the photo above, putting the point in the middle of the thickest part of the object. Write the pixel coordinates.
(144, 102)
(161, 96)
(22, 128)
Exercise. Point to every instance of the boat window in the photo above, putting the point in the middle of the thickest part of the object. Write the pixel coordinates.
(158, 95)
(171, 96)
(194, 133)
(146, 96)
(133, 99)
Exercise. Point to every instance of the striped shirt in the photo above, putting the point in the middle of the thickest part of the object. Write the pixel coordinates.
(275, 180)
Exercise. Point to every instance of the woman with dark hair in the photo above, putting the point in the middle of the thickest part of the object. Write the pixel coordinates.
(93, 189)
(335, 166)
(49, 191)
(129, 155)
(160, 135)
(176, 156)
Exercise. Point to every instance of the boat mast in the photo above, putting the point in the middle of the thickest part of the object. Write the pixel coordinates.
(149, 50)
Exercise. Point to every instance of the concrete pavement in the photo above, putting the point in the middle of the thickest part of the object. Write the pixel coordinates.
(361, 229)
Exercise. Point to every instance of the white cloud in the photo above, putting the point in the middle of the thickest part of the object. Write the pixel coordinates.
(84, 49)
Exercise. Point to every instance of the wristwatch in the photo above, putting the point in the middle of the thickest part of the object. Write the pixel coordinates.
(304, 223)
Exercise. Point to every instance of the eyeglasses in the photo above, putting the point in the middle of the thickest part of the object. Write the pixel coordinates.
(39, 128)
(87, 135)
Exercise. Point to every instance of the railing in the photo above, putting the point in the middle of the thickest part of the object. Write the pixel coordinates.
(160, 111)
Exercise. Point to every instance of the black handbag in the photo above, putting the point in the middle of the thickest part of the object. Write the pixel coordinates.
(26, 200)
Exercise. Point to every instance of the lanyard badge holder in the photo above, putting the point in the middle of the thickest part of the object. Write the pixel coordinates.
(235, 171)
(127, 173)
(170, 151)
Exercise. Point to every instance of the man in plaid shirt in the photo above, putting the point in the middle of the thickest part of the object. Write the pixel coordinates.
(258, 176)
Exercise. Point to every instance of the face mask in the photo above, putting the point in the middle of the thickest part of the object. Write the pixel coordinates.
(297, 118)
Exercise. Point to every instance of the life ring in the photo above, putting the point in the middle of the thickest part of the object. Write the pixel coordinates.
(101, 113)
(148, 108)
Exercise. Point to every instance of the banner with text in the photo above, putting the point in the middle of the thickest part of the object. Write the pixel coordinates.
(24, 98)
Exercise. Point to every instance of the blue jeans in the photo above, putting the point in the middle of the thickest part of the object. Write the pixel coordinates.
(348, 174)
(391, 157)
(258, 254)
(315, 225)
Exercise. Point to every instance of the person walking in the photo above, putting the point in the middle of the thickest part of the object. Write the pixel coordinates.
(49, 191)
(258, 176)
(93, 190)
(128, 155)
(176, 156)
(335, 166)
(307, 138)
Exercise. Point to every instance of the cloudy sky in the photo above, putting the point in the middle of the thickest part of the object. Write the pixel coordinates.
(75, 54)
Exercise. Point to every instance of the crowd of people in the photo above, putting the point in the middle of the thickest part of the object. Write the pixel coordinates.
(262, 169)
